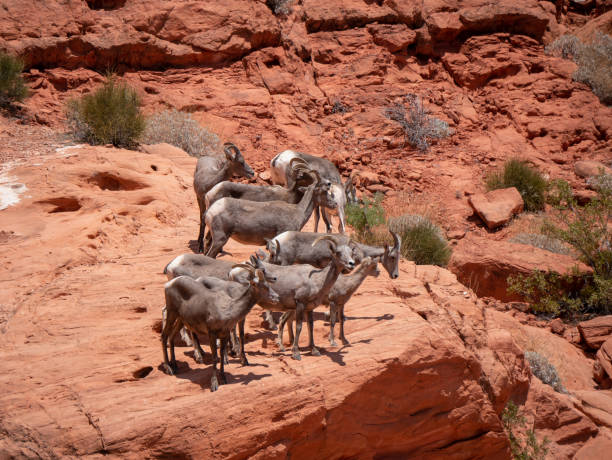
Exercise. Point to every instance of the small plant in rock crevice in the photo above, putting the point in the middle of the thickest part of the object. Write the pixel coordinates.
(544, 370)
(417, 125)
(280, 7)
(523, 446)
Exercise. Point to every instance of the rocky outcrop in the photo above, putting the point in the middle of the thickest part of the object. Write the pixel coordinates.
(485, 265)
(428, 372)
(604, 357)
(497, 207)
(596, 331)
(589, 168)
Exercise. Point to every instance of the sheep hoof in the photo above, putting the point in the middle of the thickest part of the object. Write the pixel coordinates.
(244, 361)
(198, 358)
(315, 351)
(333, 343)
(296, 356)
(214, 384)
(168, 369)
(345, 342)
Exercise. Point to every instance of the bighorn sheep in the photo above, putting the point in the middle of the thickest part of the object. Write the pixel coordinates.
(302, 288)
(252, 222)
(210, 171)
(339, 295)
(299, 172)
(279, 170)
(296, 247)
(209, 306)
(198, 265)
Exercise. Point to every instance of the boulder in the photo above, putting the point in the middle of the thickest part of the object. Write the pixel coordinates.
(394, 37)
(485, 265)
(597, 404)
(589, 168)
(596, 331)
(497, 207)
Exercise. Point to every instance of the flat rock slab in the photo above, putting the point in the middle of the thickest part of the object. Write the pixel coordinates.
(497, 207)
(596, 331)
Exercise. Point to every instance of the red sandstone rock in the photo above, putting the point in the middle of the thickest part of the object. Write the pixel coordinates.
(557, 326)
(604, 357)
(485, 265)
(597, 404)
(589, 168)
(596, 331)
(598, 447)
(497, 207)
(394, 37)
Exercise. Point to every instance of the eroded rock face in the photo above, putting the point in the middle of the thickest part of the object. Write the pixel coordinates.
(596, 331)
(485, 265)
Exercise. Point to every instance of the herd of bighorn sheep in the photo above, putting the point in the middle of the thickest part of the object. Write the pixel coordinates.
(301, 271)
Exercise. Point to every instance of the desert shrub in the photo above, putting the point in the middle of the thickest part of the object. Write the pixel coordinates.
(280, 7)
(12, 87)
(181, 130)
(422, 241)
(544, 370)
(340, 107)
(586, 230)
(417, 126)
(109, 115)
(523, 447)
(594, 61)
(365, 215)
(527, 180)
(602, 181)
(541, 241)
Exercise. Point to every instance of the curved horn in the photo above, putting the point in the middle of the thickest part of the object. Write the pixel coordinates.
(316, 174)
(325, 237)
(397, 241)
(248, 267)
(231, 146)
(297, 160)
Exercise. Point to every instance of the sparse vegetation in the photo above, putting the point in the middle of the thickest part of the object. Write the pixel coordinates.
(12, 87)
(365, 215)
(417, 126)
(109, 115)
(527, 180)
(586, 230)
(280, 7)
(594, 61)
(340, 107)
(544, 370)
(541, 241)
(181, 130)
(523, 447)
(422, 241)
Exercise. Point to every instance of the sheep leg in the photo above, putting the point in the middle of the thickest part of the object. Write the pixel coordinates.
(224, 357)
(314, 350)
(341, 317)
(316, 218)
(198, 353)
(327, 220)
(201, 234)
(243, 358)
(332, 323)
(216, 245)
(224, 342)
(342, 219)
(299, 318)
(214, 382)
(207, 241)
(281, 327)
(170, 327)
(269, 318)
(234, 350)
(187, 337)
(290, 326)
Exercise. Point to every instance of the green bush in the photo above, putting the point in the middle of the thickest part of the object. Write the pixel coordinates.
(12, 87)
(524, 447)
(181, 130)
(366, 215)
(527, 180)
(594, 61)
(587, 231)
(422, 241)
(109, 115)
(417, 126)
